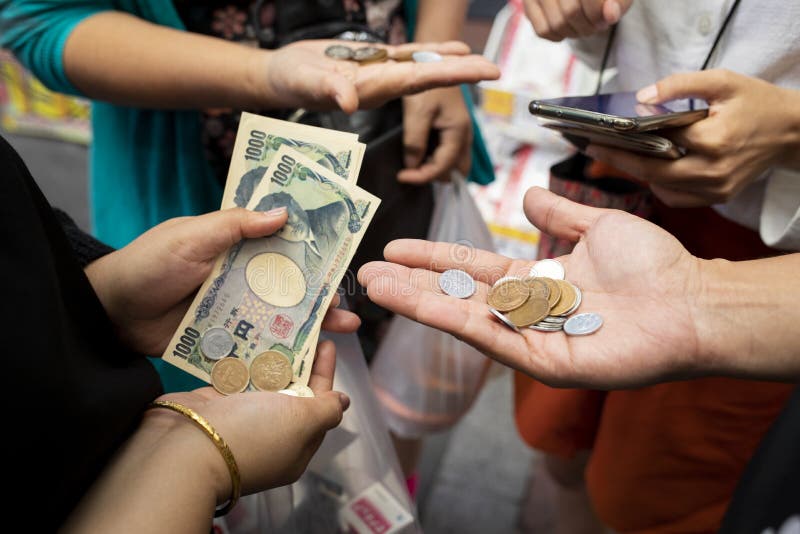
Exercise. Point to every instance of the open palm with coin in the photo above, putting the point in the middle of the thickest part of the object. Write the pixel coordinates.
(635, 276)
(147, 286)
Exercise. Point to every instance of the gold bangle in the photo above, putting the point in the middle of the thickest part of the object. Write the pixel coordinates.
(222, 447)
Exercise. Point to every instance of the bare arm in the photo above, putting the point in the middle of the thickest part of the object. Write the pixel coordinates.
(440, 20)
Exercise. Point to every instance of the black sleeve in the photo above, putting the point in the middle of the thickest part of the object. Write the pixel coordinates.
(86, 248)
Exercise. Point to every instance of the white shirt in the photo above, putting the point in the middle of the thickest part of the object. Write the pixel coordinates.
(656, 38)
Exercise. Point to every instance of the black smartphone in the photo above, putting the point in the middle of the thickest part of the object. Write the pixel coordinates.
(619, 112)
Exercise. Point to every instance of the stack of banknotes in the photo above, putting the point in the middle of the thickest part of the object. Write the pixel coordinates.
(255, 321)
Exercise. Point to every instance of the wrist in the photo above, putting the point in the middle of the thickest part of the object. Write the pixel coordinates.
(102, 277)
(259, 89)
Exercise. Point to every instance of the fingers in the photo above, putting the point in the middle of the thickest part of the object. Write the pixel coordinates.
(444, 158)
(417, 277)
(340, 321)
(483, 266)
(324, 368)
(455, 48)
(557, 216)
(417, 123)
(558, 19)
(709, 84)
(342, 91)
(380, 82)
(467, 319)
(614, 9)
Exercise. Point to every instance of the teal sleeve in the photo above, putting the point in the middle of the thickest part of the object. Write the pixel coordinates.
(37, 30)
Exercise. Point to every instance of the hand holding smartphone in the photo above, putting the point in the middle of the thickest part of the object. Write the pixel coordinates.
(618, 120)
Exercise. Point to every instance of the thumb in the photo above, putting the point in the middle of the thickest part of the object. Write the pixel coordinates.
(613, 10)
(206, 236)
(327, 410)
(710, 85)
(342, 91)
(556, 216)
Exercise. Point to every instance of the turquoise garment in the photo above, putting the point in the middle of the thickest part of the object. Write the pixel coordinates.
(146, 166)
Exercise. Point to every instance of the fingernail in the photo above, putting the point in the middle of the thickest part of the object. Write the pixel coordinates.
(613, 13)
(647, 95)
(275, 212)
(344, 400)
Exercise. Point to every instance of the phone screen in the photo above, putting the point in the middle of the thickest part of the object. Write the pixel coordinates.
(622, 105)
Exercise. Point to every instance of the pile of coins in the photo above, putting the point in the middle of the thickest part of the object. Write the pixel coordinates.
(376, 54)
(542, 301)
(269, 371)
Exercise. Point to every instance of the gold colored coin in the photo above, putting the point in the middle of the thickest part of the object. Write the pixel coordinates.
(538, 287)
(229, 375)
(270, 371)
(276, 279)
(508, 295)
(370, 54)
(534, 310)
(555, 290)
(568, 298)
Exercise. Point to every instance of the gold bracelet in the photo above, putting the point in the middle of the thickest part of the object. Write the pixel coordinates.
(222, 447)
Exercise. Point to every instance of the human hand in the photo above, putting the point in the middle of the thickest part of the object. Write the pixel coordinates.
(301, 75)
(443, 110)
(290, 429)
(751, 126)
(635, 275)
(147, 286)
(557, 19)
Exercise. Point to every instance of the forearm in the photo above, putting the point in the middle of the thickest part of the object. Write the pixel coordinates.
(440, 20)
(160, 481)
(119, 58)
(748, 318)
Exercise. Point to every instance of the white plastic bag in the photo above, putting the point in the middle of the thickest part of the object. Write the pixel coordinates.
(427, 379)
(353, 483)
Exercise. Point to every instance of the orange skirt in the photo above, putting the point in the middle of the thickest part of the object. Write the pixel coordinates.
(665, 458)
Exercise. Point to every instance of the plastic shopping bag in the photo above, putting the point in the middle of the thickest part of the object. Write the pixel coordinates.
(353, 484)
(427, 379)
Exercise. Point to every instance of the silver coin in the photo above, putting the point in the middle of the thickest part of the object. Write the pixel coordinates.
(504, 319)
(457, 283)
(216, 343)
(339, 52)
(554, 320)
(583, 324)
(289, 392)
(549, 269)
(426, 56)
(544, 327)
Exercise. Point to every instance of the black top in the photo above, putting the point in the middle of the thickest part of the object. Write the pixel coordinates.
(768, 496)
(72, 392)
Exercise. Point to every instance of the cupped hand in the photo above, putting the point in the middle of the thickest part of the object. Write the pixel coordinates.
(636, 276)
(272, 436)
(147, 286)
(557, 19)
(751, 126)
(301, 75)
(443, 110)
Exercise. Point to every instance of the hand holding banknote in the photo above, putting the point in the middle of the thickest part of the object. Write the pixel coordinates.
(146, 286)
(255, 322)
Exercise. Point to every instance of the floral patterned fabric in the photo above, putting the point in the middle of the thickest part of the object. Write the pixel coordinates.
(239, 21)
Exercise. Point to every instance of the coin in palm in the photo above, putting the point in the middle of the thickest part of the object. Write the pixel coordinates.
(271, 371)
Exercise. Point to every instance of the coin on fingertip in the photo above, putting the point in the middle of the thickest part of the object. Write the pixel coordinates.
(370, 54)
(339, 52)
(426, 56)
(230, 375)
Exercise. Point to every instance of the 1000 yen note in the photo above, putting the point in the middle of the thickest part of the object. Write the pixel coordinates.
(272, 293)
(258, 140)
